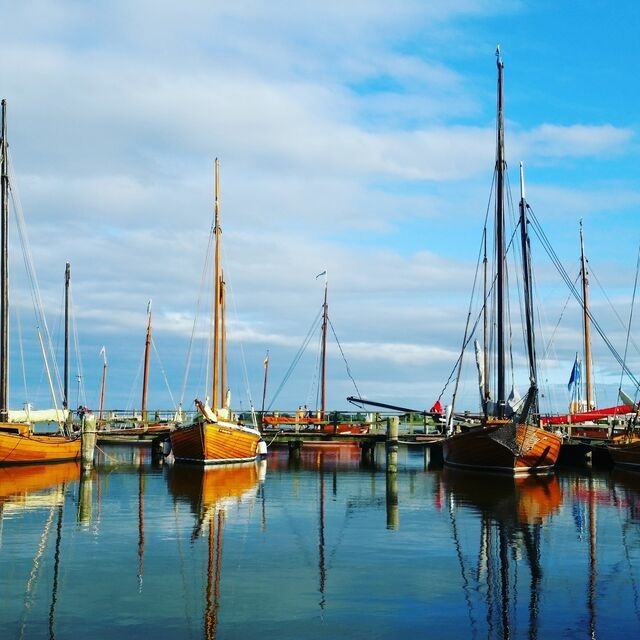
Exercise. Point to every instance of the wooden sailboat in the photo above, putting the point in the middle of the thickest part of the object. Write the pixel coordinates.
(321, 419)
(137, 429)
(18, 442)
(215, 437)
(582, 406)
(503, 441)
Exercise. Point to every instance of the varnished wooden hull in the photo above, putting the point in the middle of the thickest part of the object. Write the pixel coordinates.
(535, 450)
(626, 456)
(30, 448)
(214, 443)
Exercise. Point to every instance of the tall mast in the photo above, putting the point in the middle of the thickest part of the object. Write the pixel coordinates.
(586, 324)
(528, 292)
(215, 390)
(486, 388)
(67, 279)
(4, 271)
(145, 373)
(500, 245)
(325, 320)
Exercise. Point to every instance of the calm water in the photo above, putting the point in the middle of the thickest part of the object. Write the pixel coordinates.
(322, 548)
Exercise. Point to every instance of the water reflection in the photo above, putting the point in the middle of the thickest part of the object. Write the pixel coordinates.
(210, 492)
(308, 549)
(512, 511)
(33, 488)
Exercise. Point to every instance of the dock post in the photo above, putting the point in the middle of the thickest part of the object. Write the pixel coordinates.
(393, 423)
(88, 439)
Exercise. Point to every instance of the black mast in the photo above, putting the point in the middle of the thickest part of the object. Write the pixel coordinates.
(500, 245)
(4, 272)
(528, 295)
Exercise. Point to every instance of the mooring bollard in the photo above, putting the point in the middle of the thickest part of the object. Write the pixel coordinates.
(88, 439)
(393, 424)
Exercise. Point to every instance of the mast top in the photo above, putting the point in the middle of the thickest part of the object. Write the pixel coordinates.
(499, 61)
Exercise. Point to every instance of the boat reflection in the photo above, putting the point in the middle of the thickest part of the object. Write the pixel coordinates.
(329, 455)
(42, 488)
(35, 486)
(626, 486)
(512, 512)
(210, 492)
(525, 500)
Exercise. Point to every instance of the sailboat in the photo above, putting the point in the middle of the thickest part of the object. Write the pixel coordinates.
(137, 429)
(215, 437)
(321, 419)
(18, 442)
(582, 406)
(505, 441)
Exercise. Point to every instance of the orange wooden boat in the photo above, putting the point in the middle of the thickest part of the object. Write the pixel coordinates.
(216, 437)
(18, 443)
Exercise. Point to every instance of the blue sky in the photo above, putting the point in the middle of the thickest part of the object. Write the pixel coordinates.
(354, 137)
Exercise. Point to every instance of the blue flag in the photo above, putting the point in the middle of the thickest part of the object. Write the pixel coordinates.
(575, 374)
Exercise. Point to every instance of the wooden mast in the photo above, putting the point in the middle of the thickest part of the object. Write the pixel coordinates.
(145, 372)
(215, 389)
(500, 246)
(587, 326)
(223, 342)
(4, 271)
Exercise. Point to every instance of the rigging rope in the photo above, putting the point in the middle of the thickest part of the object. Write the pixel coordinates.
(297, 357)
(344, 358)
(203, 278)
(633, 299)
(36, 297)
(578, 296)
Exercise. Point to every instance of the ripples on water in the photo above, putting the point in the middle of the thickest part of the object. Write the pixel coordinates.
(321, 547)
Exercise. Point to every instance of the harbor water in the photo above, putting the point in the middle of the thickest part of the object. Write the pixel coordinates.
(319, 546)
